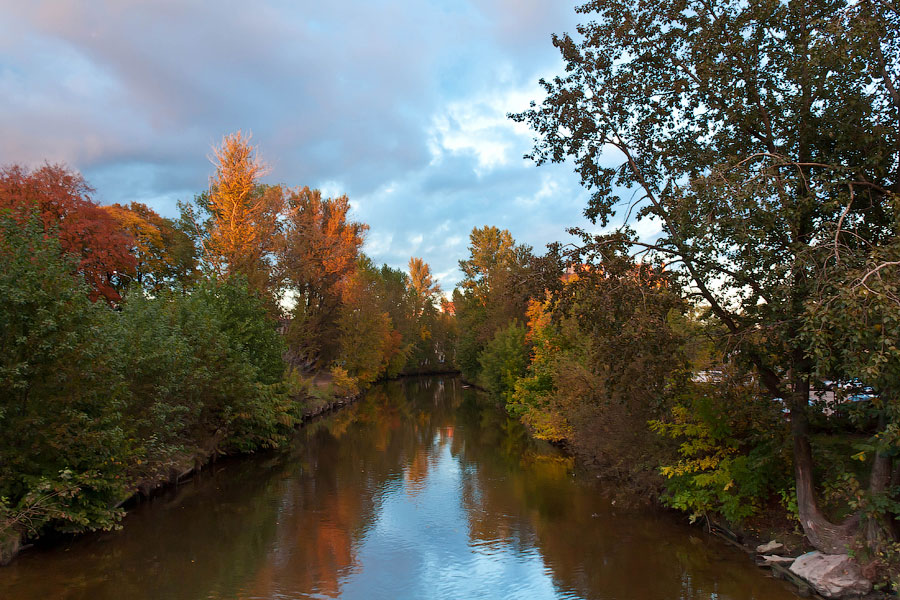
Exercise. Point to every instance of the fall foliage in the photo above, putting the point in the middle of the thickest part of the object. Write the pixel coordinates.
(244, 213)
(164, 255)
(317, 254)
(62, 200)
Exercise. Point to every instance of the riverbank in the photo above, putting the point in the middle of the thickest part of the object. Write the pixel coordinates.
(322, 397)
(13, 542)
(633, 485)
(770, 524)
(420, 489)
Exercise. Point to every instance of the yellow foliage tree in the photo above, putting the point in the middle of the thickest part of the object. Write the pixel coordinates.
(422, 284)
(164, 255)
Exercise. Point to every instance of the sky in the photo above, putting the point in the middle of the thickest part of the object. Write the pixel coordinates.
(401, 105)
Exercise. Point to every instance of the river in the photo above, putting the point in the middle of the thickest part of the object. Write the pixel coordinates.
(422, 489)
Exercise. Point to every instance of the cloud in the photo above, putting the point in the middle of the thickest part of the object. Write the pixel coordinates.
(399, 104)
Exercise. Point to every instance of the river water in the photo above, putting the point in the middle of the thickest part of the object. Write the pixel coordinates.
(421, 490)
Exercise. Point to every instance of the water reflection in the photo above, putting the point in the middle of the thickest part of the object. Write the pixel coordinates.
(423, 490)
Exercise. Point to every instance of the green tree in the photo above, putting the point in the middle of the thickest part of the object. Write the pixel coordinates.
(853, 333)
(61, 392)
(494, 291)
(753, 134)
(503, 360)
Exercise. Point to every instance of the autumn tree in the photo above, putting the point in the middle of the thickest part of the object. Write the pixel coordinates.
(491, 253)
(368, 340)
(164, 254)
(497, 284)
(422, 284)
(243, 214)
(62, 199)
(317, 253)
(759, 137)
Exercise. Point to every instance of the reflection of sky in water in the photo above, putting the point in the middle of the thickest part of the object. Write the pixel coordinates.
(422, 530)
(419, 491)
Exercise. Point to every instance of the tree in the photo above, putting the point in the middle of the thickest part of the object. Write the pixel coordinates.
(164, 255)
(498, 283)
(317, 253)
(491, 252)
(755, 135)
(60, 391)
(368, 340)
(62, 199)
(852, 331)
(243, 214)
(422, 284)
(503, 360)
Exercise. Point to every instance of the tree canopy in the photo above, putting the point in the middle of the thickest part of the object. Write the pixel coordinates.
(761, 137)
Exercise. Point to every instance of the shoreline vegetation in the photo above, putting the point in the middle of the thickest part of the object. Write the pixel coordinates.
(136, 347)
(740, 363)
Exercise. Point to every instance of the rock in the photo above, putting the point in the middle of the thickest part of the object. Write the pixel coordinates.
(833, 575)
(770, 548)
(10, 544)
(779, 560)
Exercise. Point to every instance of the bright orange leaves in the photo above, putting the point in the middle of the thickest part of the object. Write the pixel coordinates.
(319, 246)
(422, 283)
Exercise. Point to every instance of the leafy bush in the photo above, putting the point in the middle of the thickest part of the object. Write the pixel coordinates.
(94, 401)
(61, 390)
(503, 360)
(204, 371)
(731, 460)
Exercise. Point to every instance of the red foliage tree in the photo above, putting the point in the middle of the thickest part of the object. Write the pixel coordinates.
(61, 198)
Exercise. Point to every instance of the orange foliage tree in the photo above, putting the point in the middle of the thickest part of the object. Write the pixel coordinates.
(243, 214)
(422, 284)
(62, 200)
(317, 253)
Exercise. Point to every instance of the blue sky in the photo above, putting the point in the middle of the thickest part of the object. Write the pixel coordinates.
(401, 105)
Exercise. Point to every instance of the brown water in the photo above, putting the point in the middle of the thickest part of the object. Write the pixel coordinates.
(421, 490)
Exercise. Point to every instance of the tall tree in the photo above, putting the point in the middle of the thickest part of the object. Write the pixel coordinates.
(757, 135)
(422, 284)
(244, 214)
(493, 292)
(491, 252)
(317, 253)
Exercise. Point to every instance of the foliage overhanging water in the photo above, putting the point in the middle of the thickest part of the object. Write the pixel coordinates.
(421, 490)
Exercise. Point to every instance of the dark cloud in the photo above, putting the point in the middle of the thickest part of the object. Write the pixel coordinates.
(399, 104)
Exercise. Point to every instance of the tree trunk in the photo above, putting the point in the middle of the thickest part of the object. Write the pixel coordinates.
(826, 536)
(879, 530)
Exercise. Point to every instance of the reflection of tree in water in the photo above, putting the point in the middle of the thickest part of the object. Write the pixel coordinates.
(292, 524)
(202, 540)
(525, 495)
(347, 463)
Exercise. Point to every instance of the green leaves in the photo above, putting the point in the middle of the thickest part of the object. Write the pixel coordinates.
(94, 401)
(503, 360)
